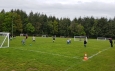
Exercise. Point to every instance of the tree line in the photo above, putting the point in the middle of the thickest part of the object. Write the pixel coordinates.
(41, 24)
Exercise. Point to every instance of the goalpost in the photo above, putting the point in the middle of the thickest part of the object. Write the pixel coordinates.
(44, 36)
(80, 38)
(4, 39)
(101, 38)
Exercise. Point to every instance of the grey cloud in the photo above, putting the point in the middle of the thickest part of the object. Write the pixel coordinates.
(96, 9)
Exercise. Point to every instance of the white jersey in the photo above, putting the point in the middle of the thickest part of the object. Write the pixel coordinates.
(33, 38)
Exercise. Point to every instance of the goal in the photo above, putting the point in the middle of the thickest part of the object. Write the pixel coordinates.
(101, 38)
(4, 39)
(44, 36)
(80, 38)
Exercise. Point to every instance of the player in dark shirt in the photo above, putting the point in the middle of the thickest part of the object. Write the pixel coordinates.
(111, 42)
(85, 42)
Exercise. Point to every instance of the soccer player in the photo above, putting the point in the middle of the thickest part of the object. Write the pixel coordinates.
(33, 38)
(85, 42)
(23, 41)
(53, 38)
(68, 41)
(26, 36)
(111, 42)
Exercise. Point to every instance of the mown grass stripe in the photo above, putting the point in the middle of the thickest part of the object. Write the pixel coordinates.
(48, 53)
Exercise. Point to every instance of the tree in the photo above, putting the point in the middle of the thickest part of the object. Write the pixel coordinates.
(17, 23)
(55, 27)
(29, 28)
(102, 27)
(23, 18)
(41, 24)
(3, 11)
(110, 28)
(50, 27)
(37, 27)
(64, 26)
(7, 22)
(73, 29)
(80, 30)
(11, 22)
(93, 31)
(2, 16)
(77, 29)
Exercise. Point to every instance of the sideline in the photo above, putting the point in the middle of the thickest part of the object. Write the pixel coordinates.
(88, 58)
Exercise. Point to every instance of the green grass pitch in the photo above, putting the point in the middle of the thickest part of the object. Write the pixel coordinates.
(44, 55)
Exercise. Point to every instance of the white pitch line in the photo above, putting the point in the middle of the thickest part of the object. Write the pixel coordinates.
(98, 53)
(88, 58)
(65, 56)
(48, 53)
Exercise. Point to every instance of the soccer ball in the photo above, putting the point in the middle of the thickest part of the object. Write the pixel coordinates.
(30, 44)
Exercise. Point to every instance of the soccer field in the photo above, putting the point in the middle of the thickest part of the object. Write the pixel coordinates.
(44, 55)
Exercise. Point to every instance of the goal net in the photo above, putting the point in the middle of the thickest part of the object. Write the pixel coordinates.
(101, 38)
(44, 36)
(4, 39)
(80, 38)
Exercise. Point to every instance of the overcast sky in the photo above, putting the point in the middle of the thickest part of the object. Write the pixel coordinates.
(63, 8)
